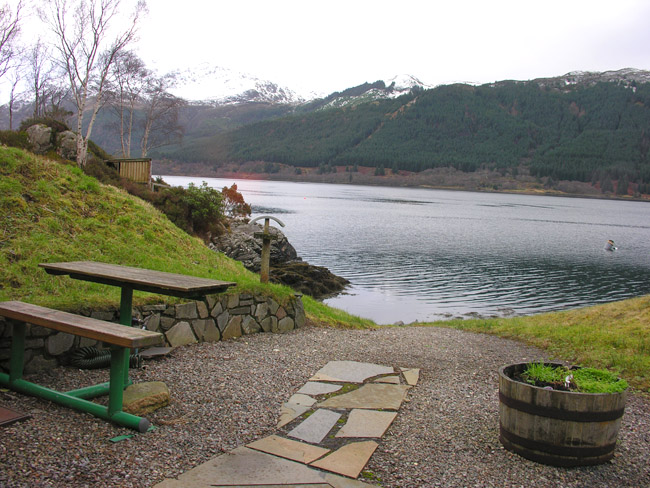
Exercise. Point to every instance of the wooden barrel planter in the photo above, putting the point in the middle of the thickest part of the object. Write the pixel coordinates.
(560, 428)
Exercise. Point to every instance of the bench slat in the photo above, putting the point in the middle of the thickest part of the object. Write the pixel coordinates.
(100, 330)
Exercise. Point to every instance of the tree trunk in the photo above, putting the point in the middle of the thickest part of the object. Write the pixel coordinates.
(81, 142)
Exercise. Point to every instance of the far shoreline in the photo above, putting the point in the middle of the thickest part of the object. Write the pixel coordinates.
(481, 181)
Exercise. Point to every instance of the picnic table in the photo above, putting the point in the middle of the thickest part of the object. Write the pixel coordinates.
(129, 279)
(121, 339)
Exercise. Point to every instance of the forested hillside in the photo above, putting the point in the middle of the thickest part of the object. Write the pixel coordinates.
(586, 133)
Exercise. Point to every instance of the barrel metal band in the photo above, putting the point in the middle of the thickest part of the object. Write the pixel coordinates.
(557, 413)
(573, 451)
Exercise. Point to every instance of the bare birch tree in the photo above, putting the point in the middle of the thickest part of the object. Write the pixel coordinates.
(87, 48)
(129, 74)
(15, 78)
(9, 30)
(161, 114)
(39, 76)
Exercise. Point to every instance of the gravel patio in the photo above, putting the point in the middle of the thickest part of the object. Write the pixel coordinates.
(228, 394)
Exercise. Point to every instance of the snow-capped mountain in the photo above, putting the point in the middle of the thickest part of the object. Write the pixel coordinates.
(401, 84)
(222, 86)
(216, 85)
(626, 77)
(367, 92)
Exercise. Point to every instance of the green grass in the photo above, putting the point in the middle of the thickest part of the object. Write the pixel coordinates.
(585, 380)
(334, 317)
(51, 211)
(614, 336)
(591, 380)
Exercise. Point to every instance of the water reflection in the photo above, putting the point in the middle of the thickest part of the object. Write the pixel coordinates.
(415, 254)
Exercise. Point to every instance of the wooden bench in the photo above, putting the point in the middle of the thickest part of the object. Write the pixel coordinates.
(120, 338)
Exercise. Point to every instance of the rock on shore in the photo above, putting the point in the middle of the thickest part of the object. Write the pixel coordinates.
(286, 268)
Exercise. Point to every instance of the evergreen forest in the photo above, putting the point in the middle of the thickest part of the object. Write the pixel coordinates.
(599, 132)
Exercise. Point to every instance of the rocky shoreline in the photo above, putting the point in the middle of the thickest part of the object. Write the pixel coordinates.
(287, 267)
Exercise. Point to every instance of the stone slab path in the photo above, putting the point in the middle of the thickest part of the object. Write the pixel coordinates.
(315, 427)
(327, 433)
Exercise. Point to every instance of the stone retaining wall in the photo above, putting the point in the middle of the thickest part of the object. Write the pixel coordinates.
(218, 317)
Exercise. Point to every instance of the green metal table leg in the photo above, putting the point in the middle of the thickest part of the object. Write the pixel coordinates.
(117, 374)
(116, 392)
(16, 362)
(126, 318)
(126, 306)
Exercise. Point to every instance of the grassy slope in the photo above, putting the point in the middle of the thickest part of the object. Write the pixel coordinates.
(51, 211)
(615, 336)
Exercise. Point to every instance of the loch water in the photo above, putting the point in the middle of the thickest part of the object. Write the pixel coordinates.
(423, 254)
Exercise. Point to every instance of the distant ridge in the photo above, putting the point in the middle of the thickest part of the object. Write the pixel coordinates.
(215, 85)
(625, 76)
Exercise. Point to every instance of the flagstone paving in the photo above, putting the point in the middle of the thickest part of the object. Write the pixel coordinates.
(348, 460)
(289, 449)
(315, 427)
(300, 399)
(247, 467)
(370, 395)
(393, 380)
(333, 415)
(366, 423)
(318, 388)
(411, 376)
(290, 411)
(349, 372)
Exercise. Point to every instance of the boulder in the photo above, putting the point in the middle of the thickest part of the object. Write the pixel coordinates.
(286, 267)
(66, 143)
(317, 281)
(143, 398)
(40, 137)
(241, 244)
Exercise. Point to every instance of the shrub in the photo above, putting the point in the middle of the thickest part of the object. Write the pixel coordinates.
(204, 205)
(233, 202)
(103, 172)
(97, 151)
(14, 139)
(56, 125)
(197, 209)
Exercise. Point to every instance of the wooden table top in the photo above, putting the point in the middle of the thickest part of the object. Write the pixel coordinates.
(151, 281)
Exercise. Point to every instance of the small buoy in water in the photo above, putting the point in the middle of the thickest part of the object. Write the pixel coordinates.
(610, 246)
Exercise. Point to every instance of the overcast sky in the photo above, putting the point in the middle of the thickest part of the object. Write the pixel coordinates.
(326, 46)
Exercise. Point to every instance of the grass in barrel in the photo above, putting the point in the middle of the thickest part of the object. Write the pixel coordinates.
(583, 380)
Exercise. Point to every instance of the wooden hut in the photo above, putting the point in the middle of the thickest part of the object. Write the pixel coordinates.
(135, 169)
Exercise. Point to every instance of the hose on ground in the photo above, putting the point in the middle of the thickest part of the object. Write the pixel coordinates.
(91, 357)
